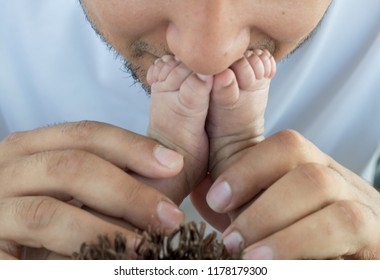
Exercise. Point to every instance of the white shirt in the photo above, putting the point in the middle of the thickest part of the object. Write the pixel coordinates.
(329, 90)
(53, 68)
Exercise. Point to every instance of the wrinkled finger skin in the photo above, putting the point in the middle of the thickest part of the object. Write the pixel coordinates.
(47, 175)
(289, 200)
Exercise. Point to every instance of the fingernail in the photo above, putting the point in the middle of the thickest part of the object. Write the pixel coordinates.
(233, 242)
(166, 157)
(219, 196)
(259, 253)
(169, 215)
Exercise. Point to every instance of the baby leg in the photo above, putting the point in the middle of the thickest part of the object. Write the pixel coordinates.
(178, 111)
(237, 105)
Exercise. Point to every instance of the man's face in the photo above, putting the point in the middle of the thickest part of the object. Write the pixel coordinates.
(207, 35)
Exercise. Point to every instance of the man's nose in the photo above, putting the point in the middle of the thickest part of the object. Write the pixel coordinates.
(208, 37)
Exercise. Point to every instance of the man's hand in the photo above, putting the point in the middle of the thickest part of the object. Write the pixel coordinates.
(289, 200)
(45, 174)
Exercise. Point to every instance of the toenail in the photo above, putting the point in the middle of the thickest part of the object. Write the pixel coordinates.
(166, 58)
(248, 54)
(176, 58)
(266, 55)
(229, 83)
(259, 52)
(202, 77)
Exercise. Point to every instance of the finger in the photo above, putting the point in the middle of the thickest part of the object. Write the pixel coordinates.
(124, 149)
(198, 199)
(9, 250)
(256, 171)
(303, 191)
(6, 256)
(43, 222)
(43, 254)
(92, 181)
(341, 229)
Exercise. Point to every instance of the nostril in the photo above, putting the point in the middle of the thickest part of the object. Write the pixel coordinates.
(204, 51)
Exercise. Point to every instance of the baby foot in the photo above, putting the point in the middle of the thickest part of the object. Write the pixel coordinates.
(237, 105)
(178, 111)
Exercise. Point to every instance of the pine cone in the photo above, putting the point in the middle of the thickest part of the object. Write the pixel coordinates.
(188, 242)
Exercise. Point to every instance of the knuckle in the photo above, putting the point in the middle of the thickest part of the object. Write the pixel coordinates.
(354, 215)
(9, 170)
(14, 144)
(133, 194)
(9, 248)
(68, 163)
(319, 177)
(135, 140)
(292, 142)
(13, 137)
(36, 213)
(291, 138)
(82, 130)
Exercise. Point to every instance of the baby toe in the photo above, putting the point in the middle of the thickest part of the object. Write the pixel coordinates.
(194, 92)
(161, 68)
(257, 62)
(244, 72)
(263, 64)
(169, 63)
(152, 74)
(225, 92)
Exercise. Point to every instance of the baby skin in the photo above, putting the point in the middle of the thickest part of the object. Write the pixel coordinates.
(210, 120)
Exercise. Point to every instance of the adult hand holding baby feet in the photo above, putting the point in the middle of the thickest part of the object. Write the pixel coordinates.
(304, 192)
